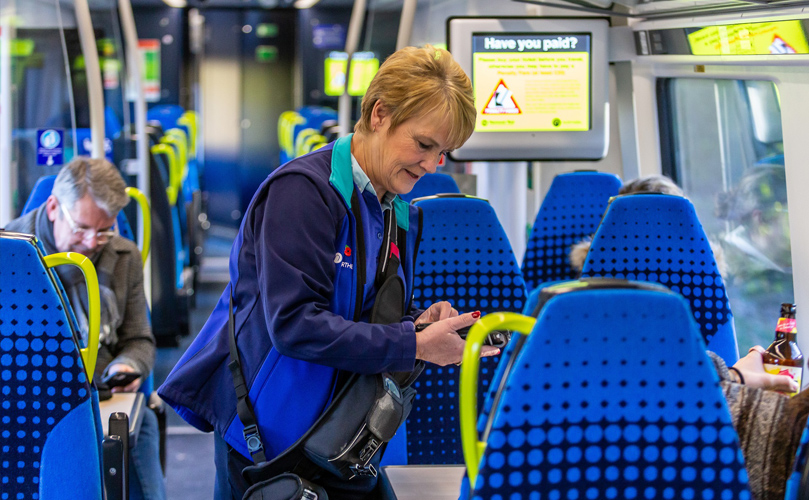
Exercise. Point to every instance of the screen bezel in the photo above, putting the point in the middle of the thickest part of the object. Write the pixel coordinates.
(585, 145)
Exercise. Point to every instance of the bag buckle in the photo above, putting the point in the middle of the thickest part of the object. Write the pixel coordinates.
(369, 450)
(252, 439)
(363, 470)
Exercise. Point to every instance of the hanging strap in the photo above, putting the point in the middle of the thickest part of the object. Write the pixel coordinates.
(389, 253)
(243, 406)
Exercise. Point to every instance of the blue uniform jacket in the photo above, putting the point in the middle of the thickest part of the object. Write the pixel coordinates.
(295, 283)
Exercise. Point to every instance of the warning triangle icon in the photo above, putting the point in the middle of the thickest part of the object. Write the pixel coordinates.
(501, 102)
(779, 46)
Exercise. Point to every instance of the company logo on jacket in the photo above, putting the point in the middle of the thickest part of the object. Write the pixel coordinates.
(338, 258)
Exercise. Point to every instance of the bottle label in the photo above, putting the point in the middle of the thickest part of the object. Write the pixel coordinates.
(793, 372)
(786, 325)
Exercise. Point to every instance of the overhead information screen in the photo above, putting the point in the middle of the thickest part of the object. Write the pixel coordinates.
(531, 82)
(540, 83)
(777, 37)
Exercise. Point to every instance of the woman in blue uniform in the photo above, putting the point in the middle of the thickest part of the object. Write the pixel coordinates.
(302, 303)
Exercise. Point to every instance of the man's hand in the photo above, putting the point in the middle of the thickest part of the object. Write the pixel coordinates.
(752, 369)
(440, 344)
(437, 312)
(120, 367)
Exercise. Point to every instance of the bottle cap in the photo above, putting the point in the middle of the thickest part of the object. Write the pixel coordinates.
(787, 309)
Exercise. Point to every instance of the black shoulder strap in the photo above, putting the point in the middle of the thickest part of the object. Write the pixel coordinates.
(243, 406)
(360, 252)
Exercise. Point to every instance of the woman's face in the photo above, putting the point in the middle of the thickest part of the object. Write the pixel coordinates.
(401, 157)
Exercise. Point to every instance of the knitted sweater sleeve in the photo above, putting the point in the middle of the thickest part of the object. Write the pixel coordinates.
(769, 425)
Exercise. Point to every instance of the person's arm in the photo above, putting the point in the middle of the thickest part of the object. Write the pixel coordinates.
(294, 231)
(749, 371)
(135, 349)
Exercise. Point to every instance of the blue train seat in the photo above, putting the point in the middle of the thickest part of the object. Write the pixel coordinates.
(432, 184)
(658, 238)
(798, 482)
(49, 415)
(166, 114)
(42, 190)
(611, 396)
(465, 258)
(570, 212)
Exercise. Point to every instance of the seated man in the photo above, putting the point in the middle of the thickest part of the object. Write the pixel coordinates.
(79, 216)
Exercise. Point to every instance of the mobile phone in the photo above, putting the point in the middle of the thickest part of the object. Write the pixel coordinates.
(497, 338)
(120, 379)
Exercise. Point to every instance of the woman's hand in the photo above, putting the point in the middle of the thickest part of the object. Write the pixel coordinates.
(440, 344)
(752, 369)
(121, 367)
(437, 312)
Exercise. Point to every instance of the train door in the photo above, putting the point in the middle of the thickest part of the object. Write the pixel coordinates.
(246, 82)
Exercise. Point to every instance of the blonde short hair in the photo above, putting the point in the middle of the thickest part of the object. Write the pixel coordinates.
(416, 81)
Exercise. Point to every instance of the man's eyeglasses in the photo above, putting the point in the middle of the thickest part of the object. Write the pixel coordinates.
(86, 232)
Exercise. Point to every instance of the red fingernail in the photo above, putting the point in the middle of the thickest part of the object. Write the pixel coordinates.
(476, 314)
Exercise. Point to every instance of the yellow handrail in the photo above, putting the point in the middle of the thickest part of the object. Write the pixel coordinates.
(300, 139)
(143, 203)
(89, 354)
(178, 139)
(189, 119)
(175, 182)
(289, 120)
(473, 448)
(310, 142)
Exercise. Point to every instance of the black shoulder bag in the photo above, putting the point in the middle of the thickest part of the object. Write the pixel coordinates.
(362, 417)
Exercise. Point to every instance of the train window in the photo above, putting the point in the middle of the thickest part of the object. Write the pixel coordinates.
(725, 149)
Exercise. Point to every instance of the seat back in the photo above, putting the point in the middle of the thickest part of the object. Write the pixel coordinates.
(465, 258)
(166, 114)
(658, 238)
(432, 184)
(612, 396)
(48, 420)
(570, 212)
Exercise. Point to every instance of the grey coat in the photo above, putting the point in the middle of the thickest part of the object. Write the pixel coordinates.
(126, 334)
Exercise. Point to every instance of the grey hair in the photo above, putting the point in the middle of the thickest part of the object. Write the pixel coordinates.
(97, 177)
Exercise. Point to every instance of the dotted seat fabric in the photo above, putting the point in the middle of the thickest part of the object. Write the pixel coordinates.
(48, 427)
(431, 184)
(465, 258)
(569, 213)
(658, 238)
(624, 404)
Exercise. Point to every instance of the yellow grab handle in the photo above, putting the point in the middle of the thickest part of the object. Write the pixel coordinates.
(310, 142)
(189, 119)
(146, 212)
(301, 139)
(283, 128)
(177, 138)
(89, 354)
(174, 178)
(473, 448)
(289, 130)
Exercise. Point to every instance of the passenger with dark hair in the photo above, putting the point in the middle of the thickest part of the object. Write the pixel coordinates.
(757, 251)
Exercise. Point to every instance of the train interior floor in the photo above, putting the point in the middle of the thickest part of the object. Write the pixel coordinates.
(189, 452)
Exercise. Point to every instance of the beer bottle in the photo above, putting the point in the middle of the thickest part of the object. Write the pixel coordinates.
(784, 357)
